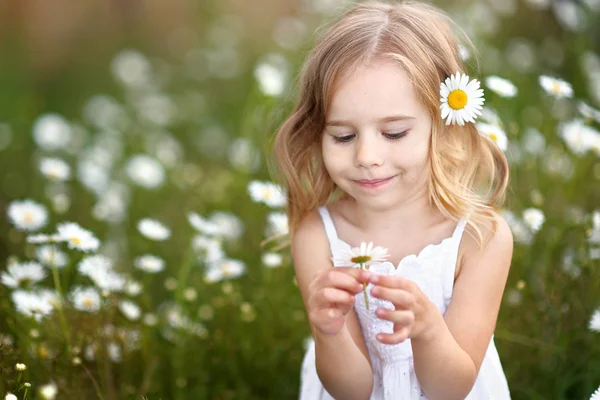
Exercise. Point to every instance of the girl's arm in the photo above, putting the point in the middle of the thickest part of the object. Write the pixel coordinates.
(450, 350)
(342, 359)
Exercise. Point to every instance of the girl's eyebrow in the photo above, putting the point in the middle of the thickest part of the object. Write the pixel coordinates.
(390, 118)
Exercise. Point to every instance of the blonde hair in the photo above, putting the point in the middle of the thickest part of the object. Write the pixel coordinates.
(468, 172)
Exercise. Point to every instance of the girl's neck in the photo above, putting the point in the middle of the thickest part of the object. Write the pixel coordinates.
(414, 212)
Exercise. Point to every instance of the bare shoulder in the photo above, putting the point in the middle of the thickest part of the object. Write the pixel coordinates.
(478, 288)
(310, 250)
(498, 242)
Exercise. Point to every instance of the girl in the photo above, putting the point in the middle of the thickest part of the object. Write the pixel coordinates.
(371, 153)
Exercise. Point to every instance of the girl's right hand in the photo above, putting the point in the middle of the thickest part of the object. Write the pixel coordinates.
(331, 296)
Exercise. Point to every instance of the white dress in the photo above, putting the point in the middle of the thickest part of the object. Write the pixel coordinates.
(393, 369)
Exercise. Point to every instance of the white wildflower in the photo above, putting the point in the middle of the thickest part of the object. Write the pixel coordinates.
(556, 87)
(203, 225)
(52, 132)
(77, 237)
(534, 218)
(271, 259)
(267, 193)
(51, 256)
(55, 169)
(48, 391)
(27, 273)
(277, 224)
(594, 323)
(145, 171)
(493, 132)
(130, 310)
(27, 215)
(85, 299)
(501, 86)
(149, 263)
(224, 269)
(153, 229)
(272, 74)
(34, 304)
(579, 137)
(209, 248)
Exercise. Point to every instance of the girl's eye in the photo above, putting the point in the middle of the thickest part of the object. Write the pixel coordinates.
(343, 139)
(395, 136)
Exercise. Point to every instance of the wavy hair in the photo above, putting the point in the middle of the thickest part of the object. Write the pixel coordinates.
(468, 173)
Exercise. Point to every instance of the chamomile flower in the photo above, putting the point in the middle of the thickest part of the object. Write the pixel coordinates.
(500, 86)
(153, 229)
(365, 254)
(202, 225)
(85, 299)
(55, 169)
(361, 257)
(556, 87)
(145, 171)
(130, 310)
(34, 304)
(268, 193)
(77, 237)
(461, 99)
(10, 396)
(149, 263)
(224, 269)
(48, 391)
(594, 323)
(27, 215)
(51, 256)
(272, 260)
(27, 273)
(493, 132)
(534, 218)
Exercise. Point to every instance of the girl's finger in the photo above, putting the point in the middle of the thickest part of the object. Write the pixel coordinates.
(401, 318)
(341, 280)
(399, 298)
(394, 338)
(330, 295)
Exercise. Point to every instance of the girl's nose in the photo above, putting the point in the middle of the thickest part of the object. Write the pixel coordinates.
(368, 153)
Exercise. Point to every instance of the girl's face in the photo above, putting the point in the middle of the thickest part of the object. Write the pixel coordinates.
(376, 138)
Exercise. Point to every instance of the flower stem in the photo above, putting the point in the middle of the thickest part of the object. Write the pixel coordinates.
(63, 320)
(364, 285)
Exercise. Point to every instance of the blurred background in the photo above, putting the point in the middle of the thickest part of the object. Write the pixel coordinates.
(137, 133)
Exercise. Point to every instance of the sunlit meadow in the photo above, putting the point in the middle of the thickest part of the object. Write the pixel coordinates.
(143, 238)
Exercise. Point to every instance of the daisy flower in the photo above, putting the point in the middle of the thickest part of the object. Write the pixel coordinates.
(145, 171)
(48, 391)
(149, 263)
(52, 132)
(461, 99)
(268, 193)
(85, 299)
(152, 229)
(588, 111)
(277, 224)
(203, 225)
(209, 248)
(27, 273)
(493, 132)
(271, 259)
(225, 269)
(594, 323)
(364, 255)
(27, 215)
(500, 86)
(596, 395)
(55, 169)
(77, 237)
(51, 256)
(556, 87)
(534, 218)
(33, 304)
(578, 137)
(10, 396)
(130, 310)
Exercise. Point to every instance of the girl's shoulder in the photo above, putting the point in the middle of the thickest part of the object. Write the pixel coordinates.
(496, 234)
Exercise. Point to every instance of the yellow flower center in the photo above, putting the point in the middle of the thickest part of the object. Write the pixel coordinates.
(87, 302)
(360, 259)
(493, 137)
(226, 269)
(76, 241)
(555, 88)
(28, 217)
(457, 99)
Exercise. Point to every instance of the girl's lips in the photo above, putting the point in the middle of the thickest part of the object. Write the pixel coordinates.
(375, 183)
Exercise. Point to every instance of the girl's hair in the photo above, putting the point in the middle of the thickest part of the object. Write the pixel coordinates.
(468, 172)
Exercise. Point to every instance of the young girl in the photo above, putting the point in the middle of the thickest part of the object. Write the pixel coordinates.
(382, 147)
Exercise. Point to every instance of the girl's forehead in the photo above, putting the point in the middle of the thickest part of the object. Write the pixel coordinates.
(374, 90)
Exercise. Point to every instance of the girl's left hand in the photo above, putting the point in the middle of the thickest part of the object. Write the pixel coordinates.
(412, 308)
